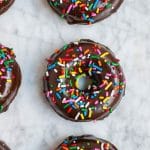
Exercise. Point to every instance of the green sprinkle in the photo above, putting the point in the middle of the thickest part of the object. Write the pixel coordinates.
(110, 110)
(109, 5)
(1, 108)
(66, 106)
(65, 47)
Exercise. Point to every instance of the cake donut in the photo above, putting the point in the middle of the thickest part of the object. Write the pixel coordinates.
(85, 142)
(3, 146)
(4, 5)
(84, 11)
(10, 77)
(84, 81)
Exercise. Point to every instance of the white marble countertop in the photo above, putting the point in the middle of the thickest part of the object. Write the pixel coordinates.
(34, 31)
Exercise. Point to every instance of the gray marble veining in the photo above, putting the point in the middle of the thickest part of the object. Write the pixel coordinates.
(34, 31)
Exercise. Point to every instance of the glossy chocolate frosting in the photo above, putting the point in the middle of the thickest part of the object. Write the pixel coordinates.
(84, 11)
(3, 146)
(4, 5)
(10, 77)
(94, 61)
(85, 142)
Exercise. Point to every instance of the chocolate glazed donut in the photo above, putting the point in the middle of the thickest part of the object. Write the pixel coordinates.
(85, 142)
(3, 146)
(84, 81)
(10, 77)
(84, 11)
(4, 5)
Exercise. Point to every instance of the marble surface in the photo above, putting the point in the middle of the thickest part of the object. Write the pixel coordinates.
(34, 31)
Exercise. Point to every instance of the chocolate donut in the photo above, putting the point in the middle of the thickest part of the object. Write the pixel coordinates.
(3, 146)
(84, 11)
(4, 5)
(10, 77)
(85, 142)
(84, 81)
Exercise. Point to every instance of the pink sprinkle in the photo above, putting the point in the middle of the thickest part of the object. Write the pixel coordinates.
(93, 14)
(96, 102)
(69, 8)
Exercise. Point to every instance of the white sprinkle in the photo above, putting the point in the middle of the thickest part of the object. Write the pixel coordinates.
(87, 104)
(77, 99)
(61, 64)
(77, 116)
(47, 74)
(55, 70)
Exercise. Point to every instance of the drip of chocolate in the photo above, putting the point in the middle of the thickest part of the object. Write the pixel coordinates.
(85, 142)
(10, 77)
(4, 5)
(97, 66)
(3, 146)
(84, 11)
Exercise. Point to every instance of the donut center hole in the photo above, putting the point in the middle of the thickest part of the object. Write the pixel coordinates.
(83, 82)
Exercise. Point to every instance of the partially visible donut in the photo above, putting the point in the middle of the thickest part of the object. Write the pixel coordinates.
(10, 77)
(3, 146)
(84, 11)
(84, 81)
(85, 142)
(4, 5)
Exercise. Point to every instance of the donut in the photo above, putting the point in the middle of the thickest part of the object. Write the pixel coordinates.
(85, 142)
(84, 11)
(10, 77)
(4, 5)
(3, 146)
(84, 81)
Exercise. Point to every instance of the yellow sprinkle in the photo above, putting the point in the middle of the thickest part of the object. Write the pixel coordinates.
(97, 141)
(97, 10)
(105, 54)
(108, 86)
(0, 73)
(9, 80)
(78, 2)
(106, 99)
(90, 113)
(105, 107)
(80, 70)
(82, 117)
(90, 69)
(101, 97)
(73, 73)
(62, 76)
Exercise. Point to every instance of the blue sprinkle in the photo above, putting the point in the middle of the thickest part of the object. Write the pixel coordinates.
(58, 96)
(9, 69)
(51, 66)
(95, 4)
(97, 67)
(91, 20)
(84, 16)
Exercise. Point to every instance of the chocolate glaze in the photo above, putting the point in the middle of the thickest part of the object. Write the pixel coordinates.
(83, 13)
(85, 142)
(3, 146)
(96, 102)
(10, 77)
(4, 5)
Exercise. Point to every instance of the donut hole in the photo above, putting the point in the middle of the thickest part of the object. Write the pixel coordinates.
(83, 82)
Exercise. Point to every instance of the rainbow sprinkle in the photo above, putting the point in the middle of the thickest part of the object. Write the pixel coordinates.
(6, 65)
(92, 61)
(79, 10)
(85, 142)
